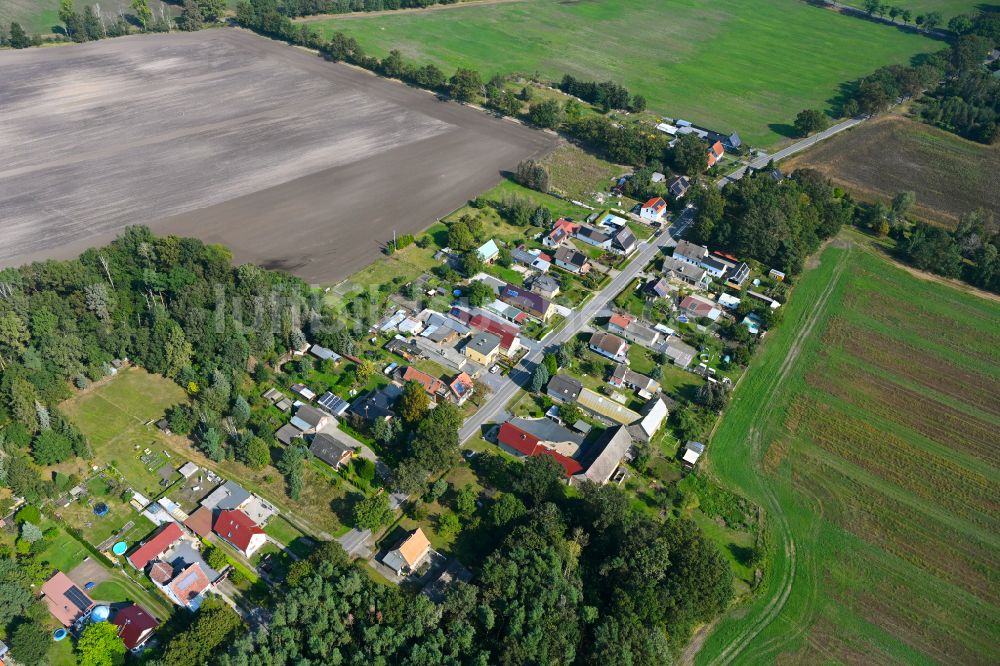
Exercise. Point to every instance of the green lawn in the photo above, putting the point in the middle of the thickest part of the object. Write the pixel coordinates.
(866, 428)
(61, 653)
(114, 415)
(111, 590)
(731, 65)
(63, 552)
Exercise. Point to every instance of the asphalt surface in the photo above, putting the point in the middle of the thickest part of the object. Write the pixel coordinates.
(796, 147)
(520, 375)
(292, 162)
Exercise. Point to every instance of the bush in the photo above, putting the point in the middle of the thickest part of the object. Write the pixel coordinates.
(28, 514)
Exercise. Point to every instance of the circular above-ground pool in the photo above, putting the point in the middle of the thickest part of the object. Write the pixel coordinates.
(119, 548)
(100, 613)
(100, 509)
(59, 634)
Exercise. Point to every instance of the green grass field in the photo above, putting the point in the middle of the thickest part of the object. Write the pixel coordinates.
(114, 416)
(867, 429)
(730, 64)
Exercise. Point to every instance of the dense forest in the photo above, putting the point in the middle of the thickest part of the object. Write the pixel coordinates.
(568, 581)
(168, 304)
(776, 221)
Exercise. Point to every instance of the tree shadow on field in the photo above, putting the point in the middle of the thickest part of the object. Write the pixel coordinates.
(343, 507)
(742, 554)
(784, 129)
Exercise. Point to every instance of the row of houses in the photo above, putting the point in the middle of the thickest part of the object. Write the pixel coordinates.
(171, 555)
(617, 239)
(613, 345)
(715, 265)
(563, 388)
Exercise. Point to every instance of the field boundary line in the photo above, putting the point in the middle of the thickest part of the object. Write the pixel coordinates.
(773, 608)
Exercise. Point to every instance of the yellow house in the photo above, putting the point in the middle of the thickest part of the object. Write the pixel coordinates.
(483, 348)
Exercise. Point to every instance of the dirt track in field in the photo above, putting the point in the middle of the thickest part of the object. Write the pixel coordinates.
(292, 162)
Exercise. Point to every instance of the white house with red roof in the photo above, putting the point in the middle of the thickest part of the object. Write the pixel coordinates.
(653, 210)
(715, 153)
(462, 387)
(562, 230)
(189, 587)
(155, 546)
(236, 528)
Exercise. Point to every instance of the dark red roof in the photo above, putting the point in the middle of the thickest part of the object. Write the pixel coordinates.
(134, 623)
(526, 443)
(505, 332)
(236, 527)
(153, 547)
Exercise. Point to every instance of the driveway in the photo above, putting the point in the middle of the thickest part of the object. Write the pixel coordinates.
(88, 571)
(357, 543)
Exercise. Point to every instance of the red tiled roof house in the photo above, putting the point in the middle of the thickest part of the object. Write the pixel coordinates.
(155, 546)
(236, 528)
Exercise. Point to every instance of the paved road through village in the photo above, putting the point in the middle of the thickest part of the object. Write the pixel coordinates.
(521, 373)
(796, 147)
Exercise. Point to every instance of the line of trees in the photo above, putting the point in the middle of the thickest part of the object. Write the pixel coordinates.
(17, 38)
(970, 252)
(621, 143)
(607, 95)
(963, 95)
(90, 24)
(310, 7)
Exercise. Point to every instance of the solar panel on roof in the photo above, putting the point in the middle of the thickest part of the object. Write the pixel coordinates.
(79, 599)
(188, 580)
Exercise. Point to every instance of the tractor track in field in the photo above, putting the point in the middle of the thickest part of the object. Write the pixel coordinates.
(788, 575)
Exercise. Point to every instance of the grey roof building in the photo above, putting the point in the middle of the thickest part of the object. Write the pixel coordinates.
(564, 388)
(485, 343)
(334, 448)
(230, 495)
(286, 433)
(678, 187)
(605, 455)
